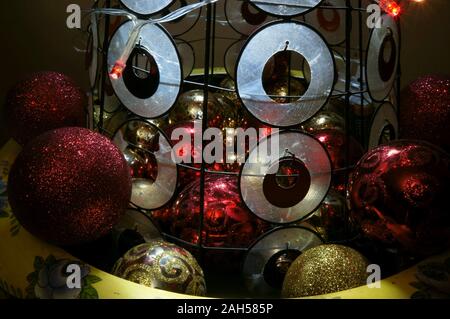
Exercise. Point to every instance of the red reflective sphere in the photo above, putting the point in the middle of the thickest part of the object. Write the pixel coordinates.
(226, 222)
(344, 151)
(399, 197)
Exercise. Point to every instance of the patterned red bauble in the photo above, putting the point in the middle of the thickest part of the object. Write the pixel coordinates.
(345, 151)
(69, 186)
(399, 197)
(42, 102)
(425, 110)
(227, 223)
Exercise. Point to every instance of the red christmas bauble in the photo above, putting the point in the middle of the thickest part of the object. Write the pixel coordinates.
(42, 102)
(227, 223)
(187, 172)
(425, 110)
(344, 153)
(69, 186)
(398, 195)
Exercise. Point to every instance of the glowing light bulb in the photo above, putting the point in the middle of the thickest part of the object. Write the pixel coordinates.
(117, 70)
(391, 7)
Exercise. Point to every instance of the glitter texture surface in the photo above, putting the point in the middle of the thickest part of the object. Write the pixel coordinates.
(398, 195)
(42, 102)
(162, 265)
(69, 186)
(425, 110)
(325, 269)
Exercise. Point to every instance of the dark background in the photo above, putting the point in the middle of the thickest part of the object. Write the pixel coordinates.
(34, 37)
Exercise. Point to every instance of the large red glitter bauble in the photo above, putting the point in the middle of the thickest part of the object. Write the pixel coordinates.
(42, 102)
(425, 110)
(345, 151)
(399, 197)
(69, 186)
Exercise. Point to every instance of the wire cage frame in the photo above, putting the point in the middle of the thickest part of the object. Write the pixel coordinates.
(209, 63)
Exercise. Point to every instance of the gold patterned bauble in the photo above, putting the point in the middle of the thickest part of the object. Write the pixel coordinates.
(324, 120)
(325, 269)
(221, 111)
(285, 90)
(229, 84)
(331, 220)
(189, 107)
(162, 265)
(142, 135)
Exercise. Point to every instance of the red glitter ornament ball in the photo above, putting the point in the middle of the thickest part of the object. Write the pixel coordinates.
(425, 110)
(42, 102)
(69, 186)
(399, 197)
(344, 153)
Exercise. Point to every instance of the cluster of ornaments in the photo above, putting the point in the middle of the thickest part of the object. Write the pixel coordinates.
(273, 220)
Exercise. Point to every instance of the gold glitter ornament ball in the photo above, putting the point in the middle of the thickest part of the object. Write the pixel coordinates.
(325, 269)
(162, 265)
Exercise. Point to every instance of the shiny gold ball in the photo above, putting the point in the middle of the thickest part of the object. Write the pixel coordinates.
(285, 90)
(221, 111)
(142, 134)
(189, 107)
(162, 265)
(324, 120)
(229, 84)
(331, 220)
(325, 269)
(160, 122)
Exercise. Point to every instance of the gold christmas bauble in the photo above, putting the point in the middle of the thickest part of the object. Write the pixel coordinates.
(229, 84)
(324, 120)
(162, 265)
(143, 135)
(331, 219)
(325, 269)
(221, 111)
(189, 107)
(285, 90)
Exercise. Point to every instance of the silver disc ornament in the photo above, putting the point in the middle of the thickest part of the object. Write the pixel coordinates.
(187, 57)
(384, 127)
(183, 24)
(151, 80)
(231, 56)
(146, 7)
(269, 40)
(382, 58)
(329, 20)
(268, 260)
(149, 155)
(285, 177)
(243, 16)
(286, 8)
